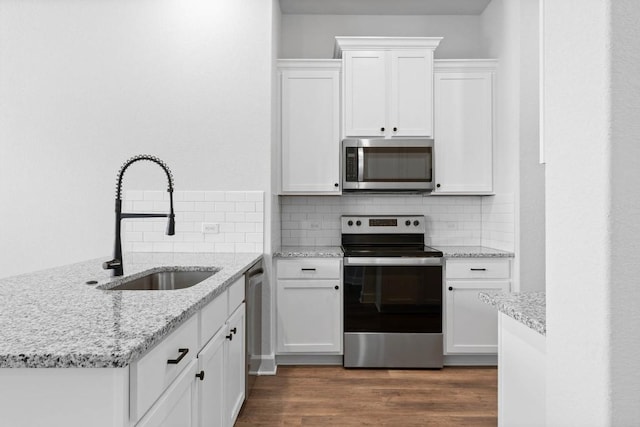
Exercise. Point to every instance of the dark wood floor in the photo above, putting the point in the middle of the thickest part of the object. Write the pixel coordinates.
(334, 396)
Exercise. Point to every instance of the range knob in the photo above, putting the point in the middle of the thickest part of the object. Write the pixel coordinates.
(350, 223)
(358, 223)
(416, 223)
(407, 223)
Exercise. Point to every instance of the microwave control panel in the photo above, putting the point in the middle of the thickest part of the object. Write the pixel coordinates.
(351, 164)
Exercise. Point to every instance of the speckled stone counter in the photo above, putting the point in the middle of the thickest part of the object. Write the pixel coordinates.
(308, 251)
(528, 308)
(53, 319)
(473, 252)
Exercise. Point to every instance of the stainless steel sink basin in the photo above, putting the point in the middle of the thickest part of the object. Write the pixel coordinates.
(164, 281)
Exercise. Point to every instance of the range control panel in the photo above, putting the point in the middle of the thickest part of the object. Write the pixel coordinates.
(382, 224)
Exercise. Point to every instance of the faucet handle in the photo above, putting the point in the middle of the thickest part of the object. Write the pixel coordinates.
(111, 265)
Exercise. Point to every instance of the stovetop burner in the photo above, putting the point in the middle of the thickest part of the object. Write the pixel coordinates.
(390, 251)
(385, 236)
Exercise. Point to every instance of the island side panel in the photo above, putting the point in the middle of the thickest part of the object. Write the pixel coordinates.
(521, 374)
(64, 397)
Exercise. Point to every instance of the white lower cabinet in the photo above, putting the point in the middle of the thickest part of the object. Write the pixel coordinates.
(309, 306)
(235, 365)
(176, 406)
(221, 374)
(209, 388)
(471, 326)
(211, 368)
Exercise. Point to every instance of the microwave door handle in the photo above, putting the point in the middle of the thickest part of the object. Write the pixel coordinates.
(360, 164)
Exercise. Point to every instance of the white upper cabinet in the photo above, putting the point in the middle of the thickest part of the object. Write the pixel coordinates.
(463, 133)
(365, 102)
(411, 92)
(310, 126)
(388, 86)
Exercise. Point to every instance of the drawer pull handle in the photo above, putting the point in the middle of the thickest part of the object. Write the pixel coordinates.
(478, 269)
(229, 337)
(183, 352)
(234, 330)
(450, 288)
(200, 375)
(308, 269)
(337, 287)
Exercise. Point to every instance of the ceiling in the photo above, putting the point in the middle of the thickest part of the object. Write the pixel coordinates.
(383, 7)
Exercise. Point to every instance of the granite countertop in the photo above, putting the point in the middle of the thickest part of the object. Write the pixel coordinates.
(53, 319)
(308, 251)
(528, 308)
(473, 252)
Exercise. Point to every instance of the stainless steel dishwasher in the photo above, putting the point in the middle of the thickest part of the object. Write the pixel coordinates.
(253, 295)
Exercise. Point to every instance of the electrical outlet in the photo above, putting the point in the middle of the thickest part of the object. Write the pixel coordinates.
(210, 228)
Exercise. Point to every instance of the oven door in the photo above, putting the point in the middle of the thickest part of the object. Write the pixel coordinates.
(393, 295)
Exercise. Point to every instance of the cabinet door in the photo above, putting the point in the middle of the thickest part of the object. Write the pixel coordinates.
(175, 408)
(464, 132)
(472, 325)
(211, 388)
(411, 90)
(310, 106)
(309, 318)
(365, 100)
(235, 365)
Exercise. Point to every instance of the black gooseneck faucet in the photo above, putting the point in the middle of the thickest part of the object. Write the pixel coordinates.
(116, 264)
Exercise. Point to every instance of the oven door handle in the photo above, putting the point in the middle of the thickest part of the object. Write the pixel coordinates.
(392, 261)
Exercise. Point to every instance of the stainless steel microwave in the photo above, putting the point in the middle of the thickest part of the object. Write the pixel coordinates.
(387, 165)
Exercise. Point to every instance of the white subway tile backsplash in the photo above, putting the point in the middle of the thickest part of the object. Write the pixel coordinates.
(153, 195)
(449, 220)
(239, 214)
(235, 196)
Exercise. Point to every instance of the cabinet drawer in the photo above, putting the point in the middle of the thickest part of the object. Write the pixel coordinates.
(151, 375)
(309, 269)
(481, 268)
(236, 295)
(212, 317)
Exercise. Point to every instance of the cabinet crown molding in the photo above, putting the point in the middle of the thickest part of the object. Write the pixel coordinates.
(461, 65)
(383, 43)
(298, 64)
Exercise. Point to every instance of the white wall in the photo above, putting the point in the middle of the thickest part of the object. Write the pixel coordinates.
(312, 36)
(531, 241)
(510, 33)
(592, 99)
(84, 85)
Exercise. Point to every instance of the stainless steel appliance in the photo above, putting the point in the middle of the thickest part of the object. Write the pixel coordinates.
(392, 294)
(387, 165)
(253, 345)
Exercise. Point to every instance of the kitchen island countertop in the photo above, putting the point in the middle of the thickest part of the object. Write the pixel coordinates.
(528, 308)
(53, 319)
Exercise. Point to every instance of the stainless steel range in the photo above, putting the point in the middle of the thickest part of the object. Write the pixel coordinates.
(392, 293)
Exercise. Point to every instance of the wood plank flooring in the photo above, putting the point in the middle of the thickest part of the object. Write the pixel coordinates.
(334, 396)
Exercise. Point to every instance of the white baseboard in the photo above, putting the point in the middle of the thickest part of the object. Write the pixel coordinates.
(471, 360)
(309, 359)
(267, 365)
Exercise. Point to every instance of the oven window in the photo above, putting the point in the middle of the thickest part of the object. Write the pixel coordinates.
(397, 164)
(393, 299)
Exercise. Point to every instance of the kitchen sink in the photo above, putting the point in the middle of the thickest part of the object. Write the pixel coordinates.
(164, 281)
